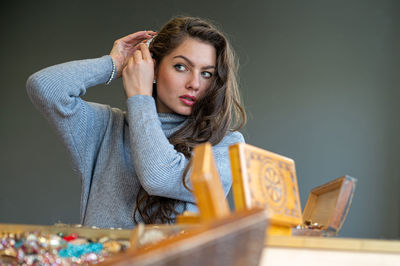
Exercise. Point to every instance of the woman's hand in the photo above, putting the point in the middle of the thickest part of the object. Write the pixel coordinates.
(138, 74)
(124, 48)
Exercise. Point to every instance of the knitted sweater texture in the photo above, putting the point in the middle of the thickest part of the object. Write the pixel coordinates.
(116, 152)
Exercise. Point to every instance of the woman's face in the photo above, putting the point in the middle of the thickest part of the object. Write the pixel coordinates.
(183, 75)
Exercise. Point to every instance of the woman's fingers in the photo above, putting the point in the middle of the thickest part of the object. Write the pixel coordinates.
(145, 52)
(129, 63)
(130, 43)
(125, 47)
(137, 55)
(142, 53)
(139, 40)
(136, 44)
(138, 36)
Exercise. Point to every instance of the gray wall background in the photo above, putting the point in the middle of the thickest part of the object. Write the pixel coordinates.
(319, 81)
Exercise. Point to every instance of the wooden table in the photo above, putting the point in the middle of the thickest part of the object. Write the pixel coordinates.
(284, 250)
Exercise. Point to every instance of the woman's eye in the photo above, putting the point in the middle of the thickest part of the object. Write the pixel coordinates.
(180, 67)
(207, 74)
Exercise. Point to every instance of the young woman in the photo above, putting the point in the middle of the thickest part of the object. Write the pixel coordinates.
(181, 91)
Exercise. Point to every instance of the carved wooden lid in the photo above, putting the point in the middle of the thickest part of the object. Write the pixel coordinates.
(265, 179)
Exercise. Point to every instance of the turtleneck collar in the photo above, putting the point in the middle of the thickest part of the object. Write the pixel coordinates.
(170, 122)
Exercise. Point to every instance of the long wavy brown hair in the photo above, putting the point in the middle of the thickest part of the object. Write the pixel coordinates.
(218, 111)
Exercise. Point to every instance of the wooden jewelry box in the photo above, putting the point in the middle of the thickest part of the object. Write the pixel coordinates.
(268, 180)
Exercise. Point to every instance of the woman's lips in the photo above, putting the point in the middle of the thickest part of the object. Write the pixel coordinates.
(188, 99)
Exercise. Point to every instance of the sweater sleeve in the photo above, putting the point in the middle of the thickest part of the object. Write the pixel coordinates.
(56, 92)
(158, 165)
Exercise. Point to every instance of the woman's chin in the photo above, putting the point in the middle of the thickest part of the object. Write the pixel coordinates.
(184, 113)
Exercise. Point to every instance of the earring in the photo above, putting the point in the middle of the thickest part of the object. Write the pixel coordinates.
(154, 81)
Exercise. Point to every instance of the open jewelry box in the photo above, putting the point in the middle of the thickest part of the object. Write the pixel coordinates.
(327, 207)
(268, 180)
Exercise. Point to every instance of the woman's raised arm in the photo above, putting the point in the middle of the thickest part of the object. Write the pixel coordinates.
(56, 92)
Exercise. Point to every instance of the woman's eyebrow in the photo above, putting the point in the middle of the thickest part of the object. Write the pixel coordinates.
(191, 63)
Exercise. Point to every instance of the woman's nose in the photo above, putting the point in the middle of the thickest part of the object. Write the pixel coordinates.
(194, 81)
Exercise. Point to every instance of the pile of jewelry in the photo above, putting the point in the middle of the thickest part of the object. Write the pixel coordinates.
(308, 224)
(40, 248)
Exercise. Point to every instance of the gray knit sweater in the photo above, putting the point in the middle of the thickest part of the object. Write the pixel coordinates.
(115, 152)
